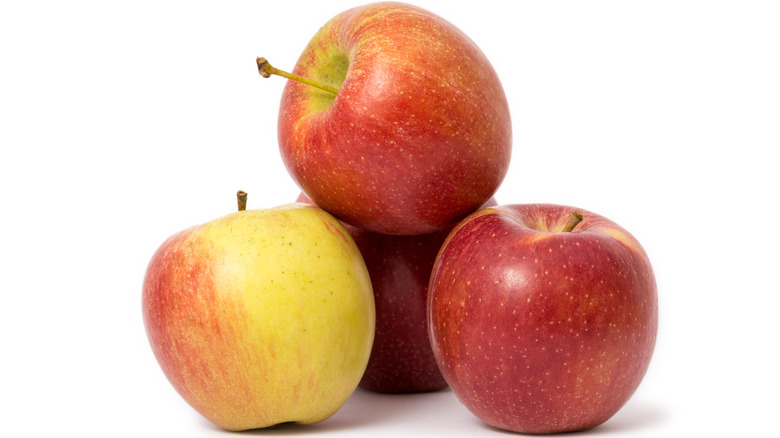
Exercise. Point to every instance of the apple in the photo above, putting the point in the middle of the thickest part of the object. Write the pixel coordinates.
(262, 316)
(541, 324)
(396, 121)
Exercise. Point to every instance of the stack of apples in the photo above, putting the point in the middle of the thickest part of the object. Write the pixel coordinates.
(396, 270)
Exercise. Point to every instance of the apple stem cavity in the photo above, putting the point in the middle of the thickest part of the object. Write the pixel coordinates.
(574, 219)
(241, 196)
(266, 70)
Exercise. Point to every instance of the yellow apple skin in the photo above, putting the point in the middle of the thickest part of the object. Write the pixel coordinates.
(261, 317)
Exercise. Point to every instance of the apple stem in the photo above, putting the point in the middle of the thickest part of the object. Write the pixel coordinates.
(266, 70)
(241, 195)
(574, 219)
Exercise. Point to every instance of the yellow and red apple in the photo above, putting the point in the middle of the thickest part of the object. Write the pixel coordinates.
(262, 316)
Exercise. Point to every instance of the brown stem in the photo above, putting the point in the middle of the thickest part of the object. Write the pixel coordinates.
(574, 219)
(266, 70)
(241, 195)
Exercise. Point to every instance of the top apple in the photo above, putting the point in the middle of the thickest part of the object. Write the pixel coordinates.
(418, 134)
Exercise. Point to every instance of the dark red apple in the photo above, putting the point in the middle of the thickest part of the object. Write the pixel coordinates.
(401, 359)
(538, 329)
(415, 131)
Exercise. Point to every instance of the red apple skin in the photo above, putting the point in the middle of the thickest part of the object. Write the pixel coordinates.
(538, 330)
(419, 134)
(401, 358)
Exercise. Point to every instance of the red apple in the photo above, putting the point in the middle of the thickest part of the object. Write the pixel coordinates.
(538, 329)
(401, 359)
(418, 134)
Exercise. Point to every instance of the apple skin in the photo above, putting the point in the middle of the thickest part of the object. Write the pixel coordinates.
(400, 268)
(401, 359)
(419, 134)
(538, 330)
(261, 317)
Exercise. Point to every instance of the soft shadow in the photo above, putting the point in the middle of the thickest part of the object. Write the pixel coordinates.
(633, 417)
(363, 409)
(371, 409)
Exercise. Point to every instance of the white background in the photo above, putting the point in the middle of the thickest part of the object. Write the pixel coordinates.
(124, 122)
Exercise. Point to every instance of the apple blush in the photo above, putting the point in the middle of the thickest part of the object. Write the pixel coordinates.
(261, 317)
(542, 318)
(393, 120)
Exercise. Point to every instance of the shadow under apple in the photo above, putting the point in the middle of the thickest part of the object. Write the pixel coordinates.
(633, 417)
(365, 409)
